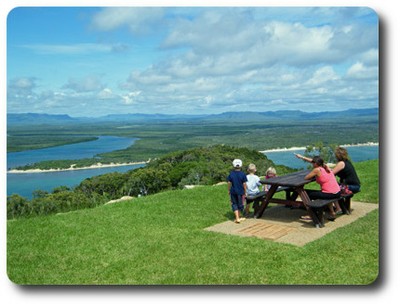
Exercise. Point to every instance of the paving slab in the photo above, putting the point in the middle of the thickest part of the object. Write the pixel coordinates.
(282, 224)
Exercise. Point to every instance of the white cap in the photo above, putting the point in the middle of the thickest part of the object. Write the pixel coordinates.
(237, 163)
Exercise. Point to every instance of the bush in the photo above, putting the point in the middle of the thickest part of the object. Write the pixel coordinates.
(61, 201)
(17, 206)
(109, 185)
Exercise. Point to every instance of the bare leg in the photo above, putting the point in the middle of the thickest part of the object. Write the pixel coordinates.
(237, 216)
(332, 214)
(338, 210)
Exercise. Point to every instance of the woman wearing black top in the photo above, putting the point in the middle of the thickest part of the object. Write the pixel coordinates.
(345, 171)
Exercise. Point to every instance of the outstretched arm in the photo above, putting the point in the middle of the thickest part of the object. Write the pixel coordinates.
(307, 159)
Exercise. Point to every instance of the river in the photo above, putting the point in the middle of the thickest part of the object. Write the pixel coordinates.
(79, 150)
(25, 183)
(286, 157)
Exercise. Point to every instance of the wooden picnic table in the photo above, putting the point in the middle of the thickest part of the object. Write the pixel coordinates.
(290, 182)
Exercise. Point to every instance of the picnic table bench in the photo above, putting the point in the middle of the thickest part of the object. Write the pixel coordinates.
(320, 205)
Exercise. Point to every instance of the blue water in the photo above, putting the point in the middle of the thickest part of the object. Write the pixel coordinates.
(80, 150)
(287, 158)
(25, 183)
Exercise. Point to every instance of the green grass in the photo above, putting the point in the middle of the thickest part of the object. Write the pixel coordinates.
(160, 239)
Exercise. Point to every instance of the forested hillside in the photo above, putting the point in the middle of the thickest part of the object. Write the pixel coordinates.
(199, 166)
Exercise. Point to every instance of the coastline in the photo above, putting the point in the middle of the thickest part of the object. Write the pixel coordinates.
(100, 165)
(72, 168)
(303, 148)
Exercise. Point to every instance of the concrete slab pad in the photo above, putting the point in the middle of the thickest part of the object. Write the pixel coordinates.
(282, 224)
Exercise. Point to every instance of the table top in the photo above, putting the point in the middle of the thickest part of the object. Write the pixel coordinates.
(295, 179)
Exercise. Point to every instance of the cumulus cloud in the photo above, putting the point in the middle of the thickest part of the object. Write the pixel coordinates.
(130, 98)
(105, 94)
(139, 20)
(21, 94)
(360, 71)
(87, 84)
(323, 75)
(21, 86)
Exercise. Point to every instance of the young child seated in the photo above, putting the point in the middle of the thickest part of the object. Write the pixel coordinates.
(253, 186)
(271, 172)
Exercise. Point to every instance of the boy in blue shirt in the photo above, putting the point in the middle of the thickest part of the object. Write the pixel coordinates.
(237, 189)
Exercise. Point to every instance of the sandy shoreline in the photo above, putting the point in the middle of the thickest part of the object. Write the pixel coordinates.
(303, 148)
(100, 165)
(72, 168)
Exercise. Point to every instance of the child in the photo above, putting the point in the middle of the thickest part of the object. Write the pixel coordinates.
(271, 172)
(253, 184)
(237, 188)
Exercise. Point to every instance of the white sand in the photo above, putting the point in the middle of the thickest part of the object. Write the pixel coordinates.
(72, 168)
(303, 148)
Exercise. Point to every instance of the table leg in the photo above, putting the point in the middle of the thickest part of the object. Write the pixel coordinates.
(306, 200)
(265, 202)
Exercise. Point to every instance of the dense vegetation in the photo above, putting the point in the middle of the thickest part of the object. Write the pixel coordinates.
(158, 138)
(160, 240)
(35, 142)
(199, 166)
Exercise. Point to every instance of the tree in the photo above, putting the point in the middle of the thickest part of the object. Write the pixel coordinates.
(326, 152)
(110, 185)
(61, 189)
(17, 206)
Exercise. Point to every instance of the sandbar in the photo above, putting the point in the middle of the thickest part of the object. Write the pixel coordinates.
(73, 168)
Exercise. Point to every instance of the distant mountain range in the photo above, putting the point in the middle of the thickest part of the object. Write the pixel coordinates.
(48, 119)
(34, 118)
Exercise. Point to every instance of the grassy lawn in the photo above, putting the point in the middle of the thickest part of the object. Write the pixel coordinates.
(160, 239)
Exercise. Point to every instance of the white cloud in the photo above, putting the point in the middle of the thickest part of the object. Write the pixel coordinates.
(105, 94)
(370, 57)
(87, 84)
(21, 86)
(323, 75)
(360, 71)
(130, 98)
(139, 20)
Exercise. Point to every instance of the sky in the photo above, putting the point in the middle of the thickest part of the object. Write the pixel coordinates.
(95, 61)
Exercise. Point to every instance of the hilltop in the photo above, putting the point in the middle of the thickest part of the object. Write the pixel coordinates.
(198, 166)
(161, 240)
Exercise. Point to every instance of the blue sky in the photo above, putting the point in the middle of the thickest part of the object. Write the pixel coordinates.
(93, 61)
